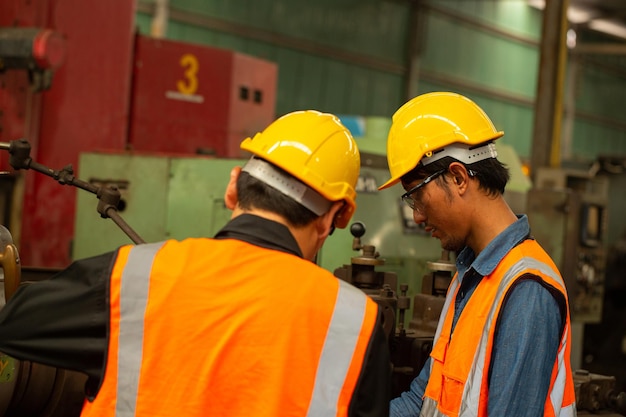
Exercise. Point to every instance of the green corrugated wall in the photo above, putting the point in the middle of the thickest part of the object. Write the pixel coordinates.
(486, 49)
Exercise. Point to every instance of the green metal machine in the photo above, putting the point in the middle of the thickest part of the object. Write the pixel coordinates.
(166, 197)
(170, 196)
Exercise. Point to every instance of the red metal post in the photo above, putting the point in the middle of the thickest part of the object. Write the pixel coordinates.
(86, 108)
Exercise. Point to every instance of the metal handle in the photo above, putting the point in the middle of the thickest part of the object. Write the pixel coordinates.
(10, 261)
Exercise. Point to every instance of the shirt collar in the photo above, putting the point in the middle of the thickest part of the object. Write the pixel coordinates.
(260, 232)
(495, 251)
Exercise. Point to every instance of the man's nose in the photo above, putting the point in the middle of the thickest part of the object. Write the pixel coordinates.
(418, 216)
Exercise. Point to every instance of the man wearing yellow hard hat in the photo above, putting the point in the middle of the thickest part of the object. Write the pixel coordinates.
(502, 345)
(242, 324)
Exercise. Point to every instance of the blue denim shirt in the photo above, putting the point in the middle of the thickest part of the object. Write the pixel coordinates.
(526, 341)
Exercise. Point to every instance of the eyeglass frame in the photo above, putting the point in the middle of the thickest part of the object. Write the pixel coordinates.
(406, 197)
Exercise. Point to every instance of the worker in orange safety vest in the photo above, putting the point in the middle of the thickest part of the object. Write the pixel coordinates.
(502, 346)
(242, 324)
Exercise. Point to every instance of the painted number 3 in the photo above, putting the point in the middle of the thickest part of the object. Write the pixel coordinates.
(190, 84)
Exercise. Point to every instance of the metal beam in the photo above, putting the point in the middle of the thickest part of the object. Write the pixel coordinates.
(600, 48)
(549, 99)
(415, 45)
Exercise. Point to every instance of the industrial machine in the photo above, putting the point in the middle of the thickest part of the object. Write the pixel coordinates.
(175, 196)
(597, 394)
(409, 345)
(568, 214)
(604, 350)
(569, 211)
(381, 286)
(61, 90)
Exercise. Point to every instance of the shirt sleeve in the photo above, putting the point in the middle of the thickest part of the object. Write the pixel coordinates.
(62, 321)
(373, 391)
(409, 403)
(525, 347)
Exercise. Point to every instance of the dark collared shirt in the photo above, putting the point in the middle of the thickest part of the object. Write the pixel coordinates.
(260, 232)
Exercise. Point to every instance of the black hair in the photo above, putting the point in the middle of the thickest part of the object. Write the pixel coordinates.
(254, 193)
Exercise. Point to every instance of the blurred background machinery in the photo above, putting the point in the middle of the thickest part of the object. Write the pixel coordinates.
(604, 342)
(568, 211)
(597, 394)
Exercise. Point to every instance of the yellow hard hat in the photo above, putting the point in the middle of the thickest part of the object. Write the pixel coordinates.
(431, 122)
(316, 149)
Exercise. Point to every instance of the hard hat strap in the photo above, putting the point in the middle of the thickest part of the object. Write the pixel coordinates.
(288, 185)
(463, 153)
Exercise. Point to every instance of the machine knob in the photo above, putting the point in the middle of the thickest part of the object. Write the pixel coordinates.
(357, 229)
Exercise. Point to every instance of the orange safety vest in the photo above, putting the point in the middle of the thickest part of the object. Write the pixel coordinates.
(226, 328)
(458, 383)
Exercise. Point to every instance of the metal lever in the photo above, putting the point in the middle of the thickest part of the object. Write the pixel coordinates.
(108, 196)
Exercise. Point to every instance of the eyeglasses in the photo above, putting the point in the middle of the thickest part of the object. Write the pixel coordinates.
(410, 201)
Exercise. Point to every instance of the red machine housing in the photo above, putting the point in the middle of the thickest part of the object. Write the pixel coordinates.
(193, 99)
(115, 90)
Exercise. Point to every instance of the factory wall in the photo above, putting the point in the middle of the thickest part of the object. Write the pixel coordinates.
(352, 57)
(339, 57)
(600, 89)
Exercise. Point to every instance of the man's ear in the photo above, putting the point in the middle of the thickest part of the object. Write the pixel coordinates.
(460, 176)
(325, 224)
(230, 196)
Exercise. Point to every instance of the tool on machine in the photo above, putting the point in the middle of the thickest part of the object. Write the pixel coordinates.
(412, 345)
(380, 286)
(597, 394)
(409, 346)
(10, 263)
(108, 196)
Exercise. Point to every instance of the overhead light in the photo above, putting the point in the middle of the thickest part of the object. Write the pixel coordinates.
(570, 39)
(575, 14)
(608, 26)
(579, 15)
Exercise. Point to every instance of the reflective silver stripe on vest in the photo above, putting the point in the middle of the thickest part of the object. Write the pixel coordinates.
(444, 311)
(135, 284)
(429, 409)
(569, 411)
(341, 340)
(556, 396)
(446, 306)
(471, 393)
